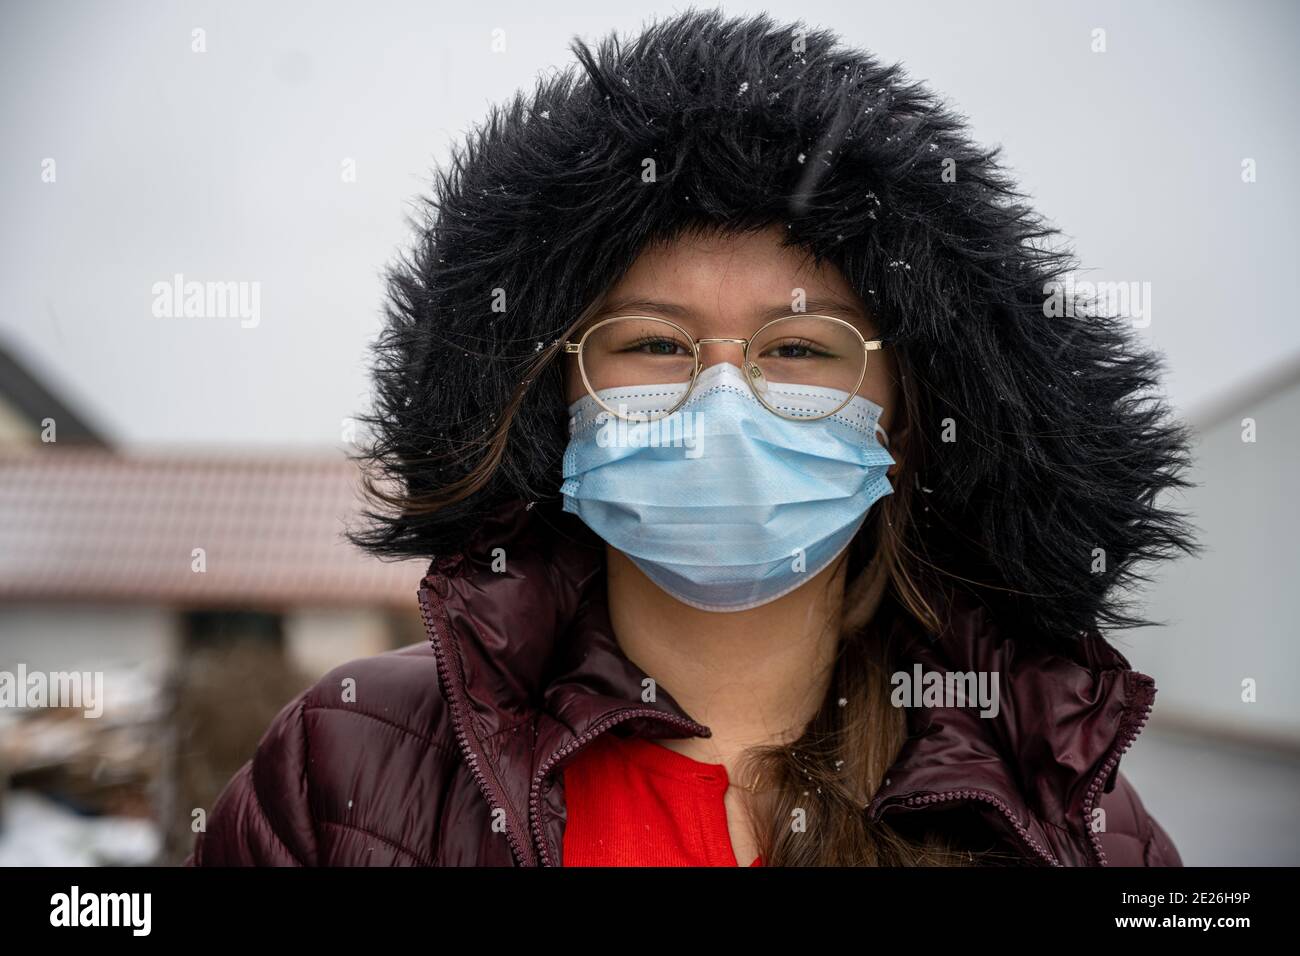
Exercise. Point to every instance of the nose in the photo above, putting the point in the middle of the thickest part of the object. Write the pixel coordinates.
(713, 351)
(721, 351)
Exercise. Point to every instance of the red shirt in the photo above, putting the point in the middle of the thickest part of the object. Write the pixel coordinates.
(633, 802)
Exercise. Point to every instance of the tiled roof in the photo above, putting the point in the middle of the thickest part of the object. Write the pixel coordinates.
(89, 524)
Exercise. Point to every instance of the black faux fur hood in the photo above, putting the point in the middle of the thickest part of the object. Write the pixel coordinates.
(1063, 446)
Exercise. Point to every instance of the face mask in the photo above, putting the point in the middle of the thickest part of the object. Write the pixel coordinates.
(724, 504)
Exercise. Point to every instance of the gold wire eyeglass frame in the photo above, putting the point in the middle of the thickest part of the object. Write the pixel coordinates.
(752, 371)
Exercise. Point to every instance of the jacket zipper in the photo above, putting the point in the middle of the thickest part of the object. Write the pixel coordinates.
(1127, 735)
(476, 760)
(534, 796)
(1029, 841)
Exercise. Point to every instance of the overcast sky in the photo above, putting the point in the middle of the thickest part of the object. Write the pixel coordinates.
(225, 165)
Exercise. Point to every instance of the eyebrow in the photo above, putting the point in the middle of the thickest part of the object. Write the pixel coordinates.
(825, 304)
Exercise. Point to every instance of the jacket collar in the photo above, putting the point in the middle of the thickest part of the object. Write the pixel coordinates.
(519, 623)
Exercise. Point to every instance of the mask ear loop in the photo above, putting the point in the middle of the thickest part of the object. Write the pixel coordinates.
(883, 434)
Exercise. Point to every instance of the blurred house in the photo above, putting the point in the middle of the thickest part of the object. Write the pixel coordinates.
(1232, 615)
(206, 587)
(1219, 763)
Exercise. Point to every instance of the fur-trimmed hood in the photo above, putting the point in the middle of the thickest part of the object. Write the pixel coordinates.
(1050, 496)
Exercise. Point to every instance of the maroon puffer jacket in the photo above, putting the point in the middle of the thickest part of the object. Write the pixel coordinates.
(450, 754)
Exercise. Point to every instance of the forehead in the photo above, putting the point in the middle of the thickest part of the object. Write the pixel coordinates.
(724, 282)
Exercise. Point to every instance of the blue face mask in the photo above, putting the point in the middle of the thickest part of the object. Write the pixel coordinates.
(724, 504)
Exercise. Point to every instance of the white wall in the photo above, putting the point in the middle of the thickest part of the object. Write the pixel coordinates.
(319, 639)
(133, 648)
(86, 636)
(1235, 612)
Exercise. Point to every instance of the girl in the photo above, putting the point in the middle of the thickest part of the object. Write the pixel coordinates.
(774, 492)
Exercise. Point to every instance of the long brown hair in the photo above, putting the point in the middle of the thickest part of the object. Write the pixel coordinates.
(812, 807)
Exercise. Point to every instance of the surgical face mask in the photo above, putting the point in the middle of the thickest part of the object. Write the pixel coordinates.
(724, 504)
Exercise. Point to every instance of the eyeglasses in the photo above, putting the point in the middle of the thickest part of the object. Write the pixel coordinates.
(795, 350)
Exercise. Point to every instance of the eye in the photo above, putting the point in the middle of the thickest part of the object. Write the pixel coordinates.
(795, 349)
(655, 345)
